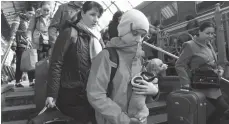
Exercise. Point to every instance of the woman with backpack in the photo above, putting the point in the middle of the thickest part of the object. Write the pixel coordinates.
(70, 62)
(109, 91)
(38, 30)
(18, 32)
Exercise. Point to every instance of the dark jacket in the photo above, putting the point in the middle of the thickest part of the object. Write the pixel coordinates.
(70, 61)
(68, 73)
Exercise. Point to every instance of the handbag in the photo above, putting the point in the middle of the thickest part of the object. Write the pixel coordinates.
(203, 78)
(29, 59)
(45, 46)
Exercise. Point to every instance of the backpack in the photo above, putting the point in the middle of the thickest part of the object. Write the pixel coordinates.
(115, 59)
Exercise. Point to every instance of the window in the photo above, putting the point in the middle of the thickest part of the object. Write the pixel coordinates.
(124, 5)
(169, 14)
(202, 6)
(111, 6)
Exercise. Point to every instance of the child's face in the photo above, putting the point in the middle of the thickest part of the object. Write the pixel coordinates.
(134, 37)
(46, 9)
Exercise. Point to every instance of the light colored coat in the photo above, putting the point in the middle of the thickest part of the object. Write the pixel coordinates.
(195, 54)
(38, 27)
(112, 110)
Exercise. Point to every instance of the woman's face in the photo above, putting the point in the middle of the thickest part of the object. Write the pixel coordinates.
(134, 37)
(91, 17)
(46, 9)
(207, 34)
(30, 14)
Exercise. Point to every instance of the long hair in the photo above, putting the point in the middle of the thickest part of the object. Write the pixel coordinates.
(117, 15)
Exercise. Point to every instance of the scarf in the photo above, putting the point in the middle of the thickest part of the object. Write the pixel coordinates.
(94, 44)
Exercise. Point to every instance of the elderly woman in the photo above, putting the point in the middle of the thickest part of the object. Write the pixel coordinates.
(70, 62)
(199, 54)
(18, 32)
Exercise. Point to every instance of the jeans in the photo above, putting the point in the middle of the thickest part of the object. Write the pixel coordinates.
(18, 73)
(220, 107)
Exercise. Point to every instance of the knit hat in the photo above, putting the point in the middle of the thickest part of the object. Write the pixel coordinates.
(138, 20)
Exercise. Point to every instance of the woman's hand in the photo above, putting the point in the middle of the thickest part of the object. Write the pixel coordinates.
(219, 72)
(146, 88)
(50, 102)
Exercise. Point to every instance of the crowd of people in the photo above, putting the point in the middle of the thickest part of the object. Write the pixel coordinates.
(80, 65)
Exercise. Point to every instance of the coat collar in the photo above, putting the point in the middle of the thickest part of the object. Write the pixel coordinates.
(210, 47)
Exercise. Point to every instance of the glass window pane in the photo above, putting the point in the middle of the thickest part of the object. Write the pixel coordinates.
(169, 14)
(107, 2)
(102, 3)
(202, 6)
(113, 8)
(105, 19)
(123, 5)
(134, 3)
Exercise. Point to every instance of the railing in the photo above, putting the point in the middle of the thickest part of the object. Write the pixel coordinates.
(222, 32)
(6, 71)
(6, 53)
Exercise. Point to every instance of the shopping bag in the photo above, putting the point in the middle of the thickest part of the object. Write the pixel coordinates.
(28, 60)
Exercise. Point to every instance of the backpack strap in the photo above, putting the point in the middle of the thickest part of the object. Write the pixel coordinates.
(115, 59)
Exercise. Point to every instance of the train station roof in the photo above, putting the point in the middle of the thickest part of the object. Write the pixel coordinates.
(11, 8)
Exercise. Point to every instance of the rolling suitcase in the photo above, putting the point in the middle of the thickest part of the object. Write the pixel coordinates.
(40, 87)
(186, 107)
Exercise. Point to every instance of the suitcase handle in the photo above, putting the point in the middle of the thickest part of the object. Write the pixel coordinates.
(184, 88)
(46, 107)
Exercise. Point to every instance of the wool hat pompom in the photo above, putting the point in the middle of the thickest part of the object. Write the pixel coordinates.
(134, 17)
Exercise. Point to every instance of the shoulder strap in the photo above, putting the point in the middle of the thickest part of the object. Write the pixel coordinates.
(36, 20)
(114, 58)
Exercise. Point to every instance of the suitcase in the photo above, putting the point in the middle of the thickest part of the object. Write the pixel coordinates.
(40, 87)
(186, 107)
